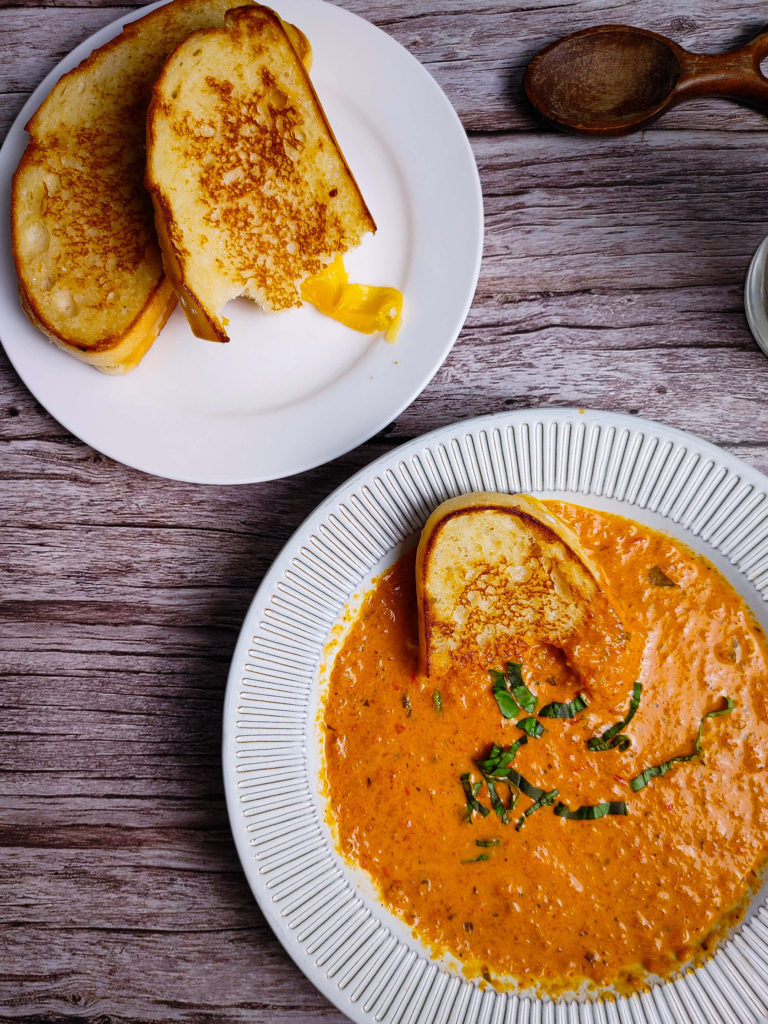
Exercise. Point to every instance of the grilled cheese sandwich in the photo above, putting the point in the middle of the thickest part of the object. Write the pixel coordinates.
(252, 194)
(87, 256)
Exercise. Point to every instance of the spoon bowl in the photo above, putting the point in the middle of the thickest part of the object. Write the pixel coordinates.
(613, 79)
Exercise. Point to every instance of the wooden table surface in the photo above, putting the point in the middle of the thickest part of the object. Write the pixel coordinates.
(612, 278)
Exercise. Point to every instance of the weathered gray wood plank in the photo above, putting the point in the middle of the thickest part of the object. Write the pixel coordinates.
(180, 974)
(477, 54)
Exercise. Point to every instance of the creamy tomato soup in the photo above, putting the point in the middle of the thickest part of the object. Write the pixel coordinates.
(658, 826)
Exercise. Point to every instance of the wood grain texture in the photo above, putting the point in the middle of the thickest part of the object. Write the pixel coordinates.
(612, 278)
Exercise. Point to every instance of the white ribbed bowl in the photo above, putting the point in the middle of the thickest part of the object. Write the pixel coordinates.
(323, 912)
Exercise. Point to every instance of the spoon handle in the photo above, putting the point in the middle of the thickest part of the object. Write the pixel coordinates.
(735, 74)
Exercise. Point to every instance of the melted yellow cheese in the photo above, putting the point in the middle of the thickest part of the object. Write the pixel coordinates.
(363, 307)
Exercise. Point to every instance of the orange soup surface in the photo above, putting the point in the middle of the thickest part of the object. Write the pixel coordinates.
(525, 893)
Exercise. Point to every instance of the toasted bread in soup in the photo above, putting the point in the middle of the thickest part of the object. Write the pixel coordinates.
(492, 567)
(252, 194)
(87, 257)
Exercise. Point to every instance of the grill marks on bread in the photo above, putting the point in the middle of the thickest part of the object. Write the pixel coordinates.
(252, 193)
(89, 266)
(258, 146)
(84, 241)
(88, 240)
(496, 573)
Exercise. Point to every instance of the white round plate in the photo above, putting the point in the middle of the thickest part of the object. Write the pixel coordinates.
(291, 391)
(326, 917)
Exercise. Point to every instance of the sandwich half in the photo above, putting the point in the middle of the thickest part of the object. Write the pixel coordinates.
(493, 570)
(84, 243)
(252, 194)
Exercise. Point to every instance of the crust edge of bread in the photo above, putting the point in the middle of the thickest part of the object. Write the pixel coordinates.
(522, 505)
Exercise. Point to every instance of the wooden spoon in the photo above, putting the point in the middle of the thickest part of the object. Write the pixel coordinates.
(613, 79)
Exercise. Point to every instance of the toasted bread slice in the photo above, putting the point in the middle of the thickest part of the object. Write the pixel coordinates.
(492, 568)
(252, 194)
(87, 258)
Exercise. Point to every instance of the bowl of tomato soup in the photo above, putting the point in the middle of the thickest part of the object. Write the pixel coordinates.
(425, 853)
(580, 862)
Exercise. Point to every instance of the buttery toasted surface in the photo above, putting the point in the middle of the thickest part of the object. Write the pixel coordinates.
(88, 262)
(252, 194)
(496, 568)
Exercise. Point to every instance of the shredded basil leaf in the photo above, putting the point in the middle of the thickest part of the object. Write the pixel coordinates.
(507, 704)
(657, 578)
(525, 787)
(486, 842)
(499, 759)
(542, 801)
(496, 802)
(590, 812)
(730, 704)
(474, 860)
(496, 768)
(470, 792)
(531, 727)
(620, 743)
(511, 693)
(611, 738)
(514, 674)
(525, 698)
(437, 700)
(656, 771)
(520, 691)
(567, 710)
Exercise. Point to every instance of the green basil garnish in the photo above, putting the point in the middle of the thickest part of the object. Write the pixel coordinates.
(656, 771)
(525, 698)
(590, 812)
(730, 704)
(567, 710)
(611, 738)
(526, 787)
(531, 727)
(514, 674)
(513, 698)
(520, 691)
(657, 578)
(502, 811)
(543, 801)
(507, 704)
(511, 693)
(470, 792)
(499, 759)
(437, 700)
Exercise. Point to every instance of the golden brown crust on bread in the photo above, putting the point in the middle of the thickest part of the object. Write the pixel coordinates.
(88, 262)
(492, 568)
(252, 194)
(116, 356)
(299, 42)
